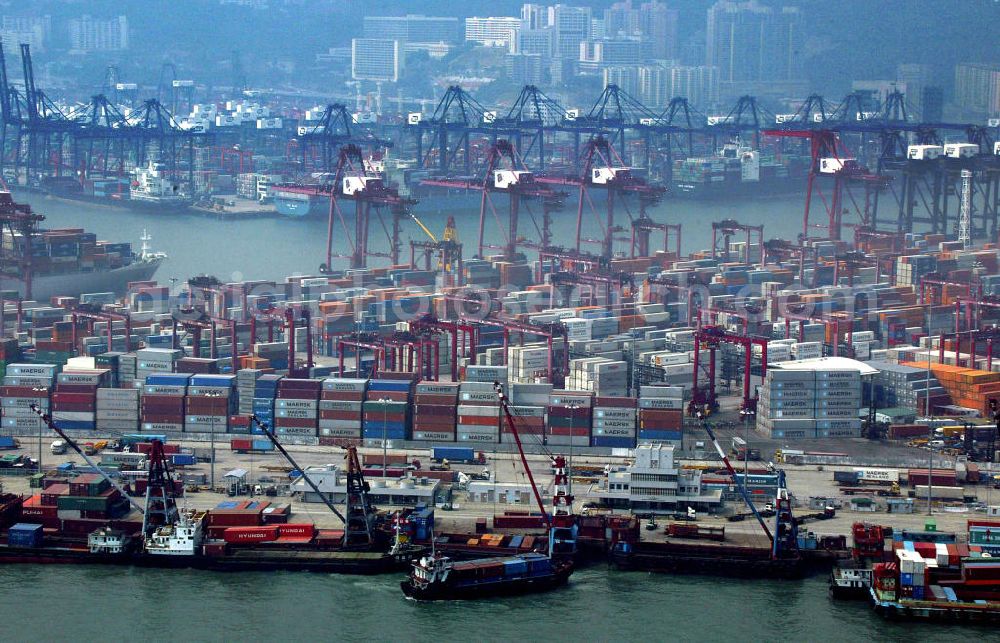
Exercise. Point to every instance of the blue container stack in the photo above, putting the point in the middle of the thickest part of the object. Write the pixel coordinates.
(264, 393)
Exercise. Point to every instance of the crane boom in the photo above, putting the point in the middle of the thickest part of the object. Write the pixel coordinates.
(423, 227)
(114, 483)
(524, 461)
(277, 445)
(739, 485)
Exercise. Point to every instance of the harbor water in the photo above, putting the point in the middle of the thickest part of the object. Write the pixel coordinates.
(275, 246)
(597, 605)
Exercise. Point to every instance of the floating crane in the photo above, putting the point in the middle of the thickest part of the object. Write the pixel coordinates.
(784, 539)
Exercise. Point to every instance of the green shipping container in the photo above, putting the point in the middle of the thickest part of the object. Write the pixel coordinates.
(82, 503)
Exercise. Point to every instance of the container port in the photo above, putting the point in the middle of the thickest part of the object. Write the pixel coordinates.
(555, 387)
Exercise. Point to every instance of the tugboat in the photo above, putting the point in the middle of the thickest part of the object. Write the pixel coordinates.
(850, 583)
(437, 577)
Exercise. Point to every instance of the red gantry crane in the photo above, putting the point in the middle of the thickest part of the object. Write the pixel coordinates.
(829, 158)
(602, 167)
(505, 172)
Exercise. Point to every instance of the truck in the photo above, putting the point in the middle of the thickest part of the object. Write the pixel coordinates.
(246, 445)
(58, 447)
(7, 442)
(464, 455)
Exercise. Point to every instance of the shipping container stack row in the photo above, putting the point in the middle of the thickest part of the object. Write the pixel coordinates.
(435, 411)
(85, 497)
(24, 385)
(341, 408)
(797, 404)
(570, 416)
(386, 412)
(296, 409)
(661, 414)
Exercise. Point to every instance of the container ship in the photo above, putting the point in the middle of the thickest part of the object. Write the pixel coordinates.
(67, 261)
(147, 188)
(738, 172)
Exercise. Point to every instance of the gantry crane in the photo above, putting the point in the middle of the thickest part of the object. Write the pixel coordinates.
(21, 224)
(603, 168)
(505, 172)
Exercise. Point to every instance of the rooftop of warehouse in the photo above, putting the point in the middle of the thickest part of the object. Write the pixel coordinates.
(826, 363)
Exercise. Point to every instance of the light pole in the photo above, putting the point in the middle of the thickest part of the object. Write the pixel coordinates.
(385, 421)
(41, 424)
(572, 406)
(214, 396)
(747, 414)
(930, 425)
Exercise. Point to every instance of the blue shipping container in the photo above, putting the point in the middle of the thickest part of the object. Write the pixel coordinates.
(24, 535)
(389, 385)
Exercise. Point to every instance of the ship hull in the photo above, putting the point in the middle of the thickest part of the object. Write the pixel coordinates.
(711, 561)
(73, 284)
(513, 587)
(724, 190)
(297, 205)
(937, 611)
(330, 562)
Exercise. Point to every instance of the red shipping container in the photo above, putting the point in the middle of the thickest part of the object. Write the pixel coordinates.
(477, 420)
(78, 407)
(615, 402)
(243, 535)
(578, 432)
(23, 391)
(343, 396)
(296, 423)
(298, 394)
(237, 444)
(233, 518)
(435, 399)
(73, 398)
(434, 409)
(299, 530)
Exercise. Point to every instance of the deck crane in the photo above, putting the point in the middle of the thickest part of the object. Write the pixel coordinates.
(448, 250)
(359, 521)
(784, 539)
(49, 422)
(560, 523)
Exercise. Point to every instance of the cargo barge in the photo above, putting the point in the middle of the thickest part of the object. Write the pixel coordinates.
(715, 560)
(932, 577)
(439, 578)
